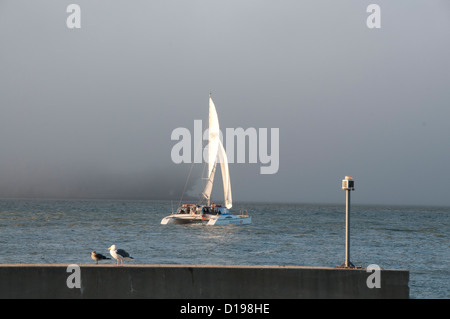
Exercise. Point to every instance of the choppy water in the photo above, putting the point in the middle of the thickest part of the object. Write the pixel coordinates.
(66, 231)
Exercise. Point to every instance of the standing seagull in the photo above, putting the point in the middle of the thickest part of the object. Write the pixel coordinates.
(119, 254)
(97, 257)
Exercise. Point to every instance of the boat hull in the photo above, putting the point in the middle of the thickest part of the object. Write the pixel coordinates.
(229, 220)
(207, 220)
(179, 219)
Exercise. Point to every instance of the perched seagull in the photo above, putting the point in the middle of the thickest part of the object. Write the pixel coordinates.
(97, 257)
(119, 254)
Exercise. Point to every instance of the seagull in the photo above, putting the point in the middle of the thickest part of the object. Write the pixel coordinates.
(97, 257)
(119, 254)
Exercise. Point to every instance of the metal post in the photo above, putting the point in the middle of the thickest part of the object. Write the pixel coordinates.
(347, 229)
(348, 186)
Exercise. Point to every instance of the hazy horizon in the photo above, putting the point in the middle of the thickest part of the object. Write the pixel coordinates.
(89, 112)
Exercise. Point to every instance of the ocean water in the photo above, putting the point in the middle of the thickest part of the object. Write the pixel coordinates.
(66, 231)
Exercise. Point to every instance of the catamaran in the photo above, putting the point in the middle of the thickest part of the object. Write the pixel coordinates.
(210, 213)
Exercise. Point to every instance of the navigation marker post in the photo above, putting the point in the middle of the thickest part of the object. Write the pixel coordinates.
(348, 185)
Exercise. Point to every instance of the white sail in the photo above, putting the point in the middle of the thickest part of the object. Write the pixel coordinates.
(214, 136)
(209, 184)
(225, 176)
(216, 152)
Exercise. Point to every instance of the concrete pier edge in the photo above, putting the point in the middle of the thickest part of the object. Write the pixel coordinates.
(164, 281)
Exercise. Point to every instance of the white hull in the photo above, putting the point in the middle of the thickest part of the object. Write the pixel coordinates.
(229, 220)
(182, 219)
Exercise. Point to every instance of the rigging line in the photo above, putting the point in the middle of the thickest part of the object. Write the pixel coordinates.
(185, 185)
(200, 200)
(189, 175)
(203, 174)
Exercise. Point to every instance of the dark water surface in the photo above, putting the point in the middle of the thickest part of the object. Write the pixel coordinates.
(66, 231)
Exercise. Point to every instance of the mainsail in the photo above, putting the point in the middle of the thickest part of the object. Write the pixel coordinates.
(209, 184)
(214, 136)
(216, 151)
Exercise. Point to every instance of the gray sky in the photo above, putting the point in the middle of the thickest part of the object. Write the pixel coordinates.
(89, 112)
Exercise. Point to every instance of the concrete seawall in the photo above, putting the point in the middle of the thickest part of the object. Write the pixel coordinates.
(197, 282)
